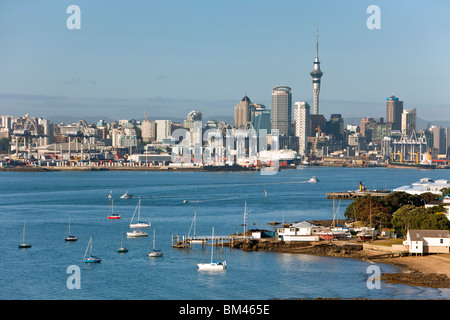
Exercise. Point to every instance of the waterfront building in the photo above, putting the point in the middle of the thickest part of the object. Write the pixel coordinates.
(408, 121)
(281, 109)
(394, 110)
(427, 241)
(425, 185)
(301, 119)
(242, 114)
(302, 231)
(316, 75)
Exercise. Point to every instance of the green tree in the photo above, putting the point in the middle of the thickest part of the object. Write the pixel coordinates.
(411, 217)
(5, 146)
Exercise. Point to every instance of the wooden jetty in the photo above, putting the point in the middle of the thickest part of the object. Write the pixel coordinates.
(357, 194)
(186, 241)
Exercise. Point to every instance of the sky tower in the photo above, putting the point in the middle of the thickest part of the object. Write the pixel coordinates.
(316, 74)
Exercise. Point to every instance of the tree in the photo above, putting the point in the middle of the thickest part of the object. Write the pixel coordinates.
(5, 146)
(411, 217)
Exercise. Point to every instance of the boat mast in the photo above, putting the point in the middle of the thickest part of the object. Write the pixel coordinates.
(212, 245)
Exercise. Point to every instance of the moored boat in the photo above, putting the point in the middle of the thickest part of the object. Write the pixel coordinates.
(91, 258)
(139, 223)
(137, 234)
(212, 265)
(70, 237)
(24, 245)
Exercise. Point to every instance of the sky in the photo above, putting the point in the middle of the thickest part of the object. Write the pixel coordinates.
(173, 56)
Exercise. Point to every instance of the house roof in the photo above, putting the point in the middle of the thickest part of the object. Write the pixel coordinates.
(304, 224)
(418, 235)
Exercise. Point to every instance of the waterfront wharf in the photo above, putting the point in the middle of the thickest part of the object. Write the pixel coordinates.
(186, 242)
(357, 194)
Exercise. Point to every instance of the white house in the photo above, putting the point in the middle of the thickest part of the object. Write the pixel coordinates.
(302, 231)
(427, 241)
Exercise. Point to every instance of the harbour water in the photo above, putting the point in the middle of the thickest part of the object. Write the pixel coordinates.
(45, 201)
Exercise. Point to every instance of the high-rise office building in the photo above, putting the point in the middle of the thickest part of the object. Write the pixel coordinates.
(394, 110)
(163, 129)
(316, 75)
(281, 109)
(301, 119)
(261, 119)
(447, 146)
(242, 113)
(439, 142)
(409, 121)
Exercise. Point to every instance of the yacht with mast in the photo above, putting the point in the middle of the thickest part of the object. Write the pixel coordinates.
(212, 265)
(24, 245)
(139, 223)
(70, 237)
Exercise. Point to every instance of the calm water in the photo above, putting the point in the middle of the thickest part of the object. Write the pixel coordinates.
(45, 201)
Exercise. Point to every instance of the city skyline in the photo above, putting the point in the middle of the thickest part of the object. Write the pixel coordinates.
(174, 57)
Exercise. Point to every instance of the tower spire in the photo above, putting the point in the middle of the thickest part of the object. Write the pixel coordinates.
(316, 75)
(317, 41)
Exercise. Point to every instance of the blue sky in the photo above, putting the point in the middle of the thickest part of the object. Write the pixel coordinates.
(173, 56)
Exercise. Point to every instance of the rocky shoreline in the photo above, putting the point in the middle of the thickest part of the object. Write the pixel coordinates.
(408, 276)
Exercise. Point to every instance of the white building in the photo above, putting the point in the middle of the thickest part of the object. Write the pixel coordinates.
(301, 118)
(425, 185)
(427, 241)
(302, 231)
(163, 129)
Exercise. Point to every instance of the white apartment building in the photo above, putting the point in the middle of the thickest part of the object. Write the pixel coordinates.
(301, 118)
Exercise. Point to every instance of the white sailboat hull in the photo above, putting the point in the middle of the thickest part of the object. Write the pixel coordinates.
(212, 266)
(140, 225)
(155, 254)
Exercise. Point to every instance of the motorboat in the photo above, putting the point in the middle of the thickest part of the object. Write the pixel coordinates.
(137, 234)
(313, 179)
(126, 195)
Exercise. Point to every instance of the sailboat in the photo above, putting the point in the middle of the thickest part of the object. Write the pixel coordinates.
(91, 258)
(69, 237)
(139, 224)
(113, 215)
(155, 252)
(24, 245)
(122, 249)
(213, 265)
(194, 222)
